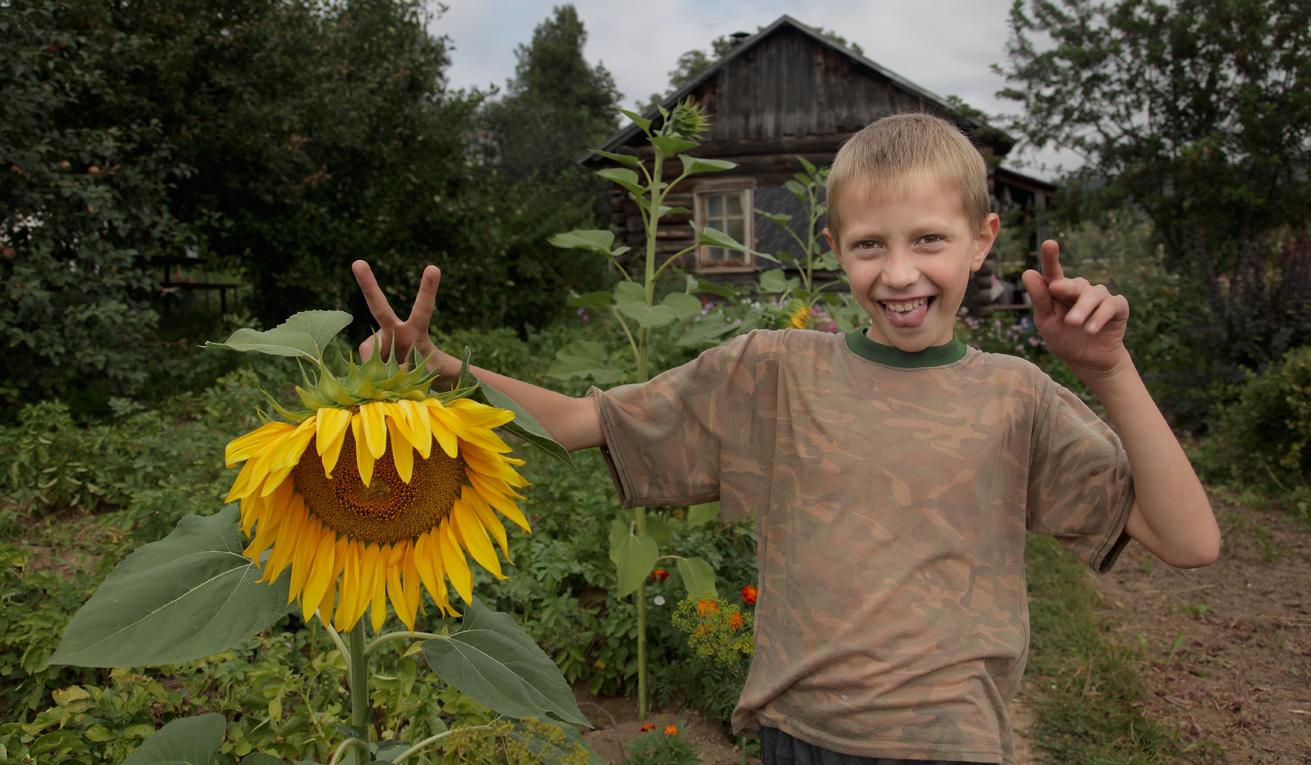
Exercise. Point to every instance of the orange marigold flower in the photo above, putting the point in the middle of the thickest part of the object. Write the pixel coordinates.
(659, 575)
(671, 731)
(749, 594)
(646, 728)
(707, 607)
(736, 622)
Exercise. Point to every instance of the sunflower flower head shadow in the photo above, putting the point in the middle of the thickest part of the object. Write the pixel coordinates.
(376, 491)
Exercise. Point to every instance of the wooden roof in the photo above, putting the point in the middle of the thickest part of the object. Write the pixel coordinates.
(788, 83)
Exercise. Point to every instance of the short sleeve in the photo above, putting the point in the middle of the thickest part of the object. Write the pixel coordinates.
(1080, 487)
(665, 439)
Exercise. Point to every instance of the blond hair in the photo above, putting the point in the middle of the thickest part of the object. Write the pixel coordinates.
(891, 154)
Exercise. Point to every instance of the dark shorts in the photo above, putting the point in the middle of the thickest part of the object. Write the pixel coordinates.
(778, 748)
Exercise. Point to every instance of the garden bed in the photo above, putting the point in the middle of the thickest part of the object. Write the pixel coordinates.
(1225, 651)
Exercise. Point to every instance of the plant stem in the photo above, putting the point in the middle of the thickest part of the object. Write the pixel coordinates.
(378, 642)
(435, 738)
(359, 684)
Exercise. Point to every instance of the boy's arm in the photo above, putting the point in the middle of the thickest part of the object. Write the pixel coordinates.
(1084, 326)
(573, 422)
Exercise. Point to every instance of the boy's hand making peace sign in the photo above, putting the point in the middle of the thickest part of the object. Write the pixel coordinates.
(411, 333)
(1082, 323)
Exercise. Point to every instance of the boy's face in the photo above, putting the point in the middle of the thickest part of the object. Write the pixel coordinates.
(909, 258)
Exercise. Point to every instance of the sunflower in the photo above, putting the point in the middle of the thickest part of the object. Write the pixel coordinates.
(376, 499)
(800, 318)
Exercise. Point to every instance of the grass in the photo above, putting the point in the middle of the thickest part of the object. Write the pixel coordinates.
(1085, 688)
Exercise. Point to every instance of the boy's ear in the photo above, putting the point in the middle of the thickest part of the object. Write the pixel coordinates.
(986, 238)
(836, 252)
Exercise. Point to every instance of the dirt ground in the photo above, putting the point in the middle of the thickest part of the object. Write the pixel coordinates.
(1225, 651)
(616, 722)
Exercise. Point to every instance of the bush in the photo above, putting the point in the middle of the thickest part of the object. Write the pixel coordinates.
(1264, 438)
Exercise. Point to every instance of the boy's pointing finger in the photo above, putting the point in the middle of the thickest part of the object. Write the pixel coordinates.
(1051, 261)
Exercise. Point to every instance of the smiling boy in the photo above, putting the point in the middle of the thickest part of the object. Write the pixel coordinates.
(893, 472)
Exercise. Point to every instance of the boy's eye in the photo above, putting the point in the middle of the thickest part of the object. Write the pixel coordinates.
(931, 239)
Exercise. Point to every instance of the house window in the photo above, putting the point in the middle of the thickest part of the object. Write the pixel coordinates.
(728, 211)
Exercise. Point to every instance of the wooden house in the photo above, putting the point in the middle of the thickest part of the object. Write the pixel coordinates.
(784, 92)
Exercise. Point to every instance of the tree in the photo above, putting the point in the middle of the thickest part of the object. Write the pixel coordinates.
(83, 203)
(1197, 111)
(556, 107)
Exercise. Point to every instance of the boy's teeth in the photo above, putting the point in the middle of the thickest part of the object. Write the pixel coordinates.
(904, 307)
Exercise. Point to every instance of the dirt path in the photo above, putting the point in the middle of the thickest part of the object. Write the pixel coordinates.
(1225, 651)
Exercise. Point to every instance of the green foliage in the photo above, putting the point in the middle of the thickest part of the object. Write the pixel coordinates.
(659, 747)
(1195, 111)
(524, 742)
(1264, 437)
(83, 203)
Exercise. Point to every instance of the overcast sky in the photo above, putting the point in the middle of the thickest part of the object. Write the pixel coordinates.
(944, 46)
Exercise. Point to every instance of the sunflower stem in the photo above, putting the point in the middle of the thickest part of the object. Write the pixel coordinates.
(359, 685)
(435, 738)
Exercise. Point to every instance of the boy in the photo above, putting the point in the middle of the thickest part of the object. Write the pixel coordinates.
(892, 472)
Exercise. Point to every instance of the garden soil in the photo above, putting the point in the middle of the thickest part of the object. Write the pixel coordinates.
(616, 722)
(1224, 651)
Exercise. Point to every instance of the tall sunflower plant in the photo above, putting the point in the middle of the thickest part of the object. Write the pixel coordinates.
(365, 503)
(649, 180)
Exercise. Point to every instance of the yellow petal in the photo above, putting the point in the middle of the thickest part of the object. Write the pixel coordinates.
(413, 588)
(379, 615)
(487, 517)
(363, 457)
(243, 447)
(429, 569)
(324, 571)
(303, 554)
(420, 427)
(330, 435)
(373, 415)
(292, 446)
(402, 453)
(441, 429)
(471, 534)
(457, 569)
(503, 504)
(397, 595)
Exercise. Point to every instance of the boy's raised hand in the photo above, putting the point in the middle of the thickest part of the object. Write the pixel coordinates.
(411, 333)
(1082, 323)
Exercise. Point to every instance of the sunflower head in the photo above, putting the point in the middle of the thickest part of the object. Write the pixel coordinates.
(688, 119)
(799, 318)
(377, 490)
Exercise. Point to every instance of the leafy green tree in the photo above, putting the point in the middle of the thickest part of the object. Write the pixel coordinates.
(1198, 111)
(556, 107)
(82, 204)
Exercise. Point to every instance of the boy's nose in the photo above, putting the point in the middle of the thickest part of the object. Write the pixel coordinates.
(899, 270)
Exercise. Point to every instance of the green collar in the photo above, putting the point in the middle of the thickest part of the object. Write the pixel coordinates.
(937, 356)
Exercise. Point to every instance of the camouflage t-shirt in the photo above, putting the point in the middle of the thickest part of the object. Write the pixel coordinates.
(892, 492)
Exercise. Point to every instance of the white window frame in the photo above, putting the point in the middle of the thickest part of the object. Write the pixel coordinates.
(703, 194)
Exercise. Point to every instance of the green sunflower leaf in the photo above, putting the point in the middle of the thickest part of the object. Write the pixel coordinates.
(711, 327)
(493, 661)
(698, 165)
(627, 160)
(594, 240)
(624, 177)
(305, 335)
(634, 555)
(583, 358)
(698, 576)
(524, 424)
(773, 281)
(713, 237)
(669, 145)
(685, 306)
(190, 740)
(187, 596)
(630, 299)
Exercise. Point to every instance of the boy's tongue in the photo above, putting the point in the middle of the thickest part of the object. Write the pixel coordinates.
(911, 318)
